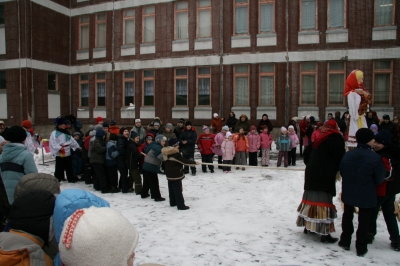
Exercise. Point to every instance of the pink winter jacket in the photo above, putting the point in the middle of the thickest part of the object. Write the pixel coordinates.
(266, 140)
(219, 138)
(294, 138)
(228, 149)
(254, 141)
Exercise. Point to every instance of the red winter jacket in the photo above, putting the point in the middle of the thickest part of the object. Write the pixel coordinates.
(205, 143)
(303, 127)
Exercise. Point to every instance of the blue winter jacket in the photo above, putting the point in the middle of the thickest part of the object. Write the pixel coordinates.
(111, 153)
(362, 170)
(154, 157)
(67, 203)
(15, 162)
(284, 143)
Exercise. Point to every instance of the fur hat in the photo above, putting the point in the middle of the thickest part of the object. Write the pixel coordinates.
(160, 138)
(99, 119)
(133, 134)
(37, 181)
(225, 128)
(228, 134)
(188, 123)
(26, 124)
(173, 142)
(312, 119)
(15, 134)
(60, 121)
(215, 115)
(253, 127)
(169, 125)
(100, 133)
(121, 130)
(112, 122)
(283, 129)
(383, 137)
(150, 136)
(205, 128)
(386, 117)
(364, 135)
(97, 236)
(105, 124)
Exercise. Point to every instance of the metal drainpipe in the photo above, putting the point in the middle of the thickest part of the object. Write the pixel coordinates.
(112, 66)
(26, 66)
(21, 110)
(221, 58)
(69, 60)
(32, 87)
(287, 66)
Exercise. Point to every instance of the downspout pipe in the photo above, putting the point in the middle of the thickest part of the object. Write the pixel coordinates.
(221, 58)
(69, 58)
(32, 86)
(21, 102)
(112, 66)
(287, 88)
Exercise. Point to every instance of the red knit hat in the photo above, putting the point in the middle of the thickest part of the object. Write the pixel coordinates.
(26, 124)
(99, 119)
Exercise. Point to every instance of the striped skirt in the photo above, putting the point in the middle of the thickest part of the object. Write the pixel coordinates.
(317, 212)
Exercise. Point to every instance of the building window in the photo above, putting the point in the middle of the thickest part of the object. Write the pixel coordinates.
(84, 89)
(181, 91)
(149, 24)
(382, 82)
(203, 18)
(384, 12)
(336, 14)
(84, 32)
(203, 85)
(51, 81)
(308, 14)
(2, 31)
(1, 14)
(241, 15)
(308, 75)
(336, 81)
(267, 84)
(241, 85)
(266, 15)
(101, 23)
(181, 20)
(3, 80)
(129, 26)
(148, 87)
(129, 88)
(101, 89)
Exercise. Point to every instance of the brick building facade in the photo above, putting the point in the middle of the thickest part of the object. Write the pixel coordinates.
(190, 59)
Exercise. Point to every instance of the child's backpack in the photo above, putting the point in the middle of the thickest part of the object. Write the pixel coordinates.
(111, 154)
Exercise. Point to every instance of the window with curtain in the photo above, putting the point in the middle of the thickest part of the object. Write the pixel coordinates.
(336, 72)
(52, 81)
(266, 16)
(203, 86)
(84, 32)
(129, 88)
(336, 13)
(308, 14)
(148, 87)
(181, 86)
(241, 17)
(383, 12)
(129, 26)
(101, 30)
(101, 89)
(308, 76)
(267, 84)
(203, 18)
(181, 20)
(241, 85)
(382, 82)
(149, 24)
(84, 90)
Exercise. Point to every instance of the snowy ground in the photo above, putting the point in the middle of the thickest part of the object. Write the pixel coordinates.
(242, 218)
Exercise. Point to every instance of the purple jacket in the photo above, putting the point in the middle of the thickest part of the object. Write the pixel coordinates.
(228, 149)
(219, 138)
(254, 141)
(266, 140)
(294, 138)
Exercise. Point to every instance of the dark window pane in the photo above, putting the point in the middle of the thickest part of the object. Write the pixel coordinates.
(101, 76)
(382, 65)
(149, 100)
(336, 66)
(181, 72)
(149, 73)
(128, 100)
(3, 80)
(129, 74)
(204, 70)
(1, 14)
(308, 66)
(101, 101)
(204, 99)
(51, 81)
(181, 100)
(85, 77)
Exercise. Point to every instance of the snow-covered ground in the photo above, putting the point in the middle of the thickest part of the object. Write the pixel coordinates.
(242, 218)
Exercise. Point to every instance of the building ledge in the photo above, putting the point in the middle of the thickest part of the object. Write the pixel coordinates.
(203, 44)
(202, 112)
(384, 33)
(269, 110)
(180, 112)
(303, 111)
(266, 39)
(147, 48)
(82, 54)
(180, 45)
(147, 112)
(337, 35)
(128, 50)
(308, 37)
(99, 52)
(240, 41)
(239, 110)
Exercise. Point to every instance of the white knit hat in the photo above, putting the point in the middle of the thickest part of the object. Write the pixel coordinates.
(97, 236)
(215, 115)
(228, 134)
(283, 129)
(138, 120)
(291, 127)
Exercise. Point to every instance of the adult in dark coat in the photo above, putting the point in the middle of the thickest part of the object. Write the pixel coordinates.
(388, 126)
(122, 145)
(319, 183)
(179, 127)
(231, 122)
(362, 171)
(187, 141)
(310, 128)
(387, 191)
(341, 124)
(264, 122)
(133, 158)
(371, 119)
(243, 122)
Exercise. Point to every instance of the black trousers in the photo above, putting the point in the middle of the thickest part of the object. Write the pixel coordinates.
(253, 158)
(189, 156)
(150, 181)
(364, 216)
(101, 178)
(387, 204)
(112, 174)
(175, 194)
(207, 158)
(64, 164)
(219, 161)
(227, 168)
(135, 178)
(292, 156)
(87, 171)
(301, 145)
(123, 179)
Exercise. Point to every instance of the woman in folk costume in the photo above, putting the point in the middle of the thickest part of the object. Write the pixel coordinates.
(358, 99)
(61, 144)
(322, 159)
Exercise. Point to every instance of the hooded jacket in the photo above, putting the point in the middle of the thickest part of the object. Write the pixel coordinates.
(190, 136)
(263, 123)
(140, 131)
(205, 143)
(254, 141)
(241, 143)
(231, 122)
(216, 125)
(98, 151)
(133, 156)
(154, 157)
(266, 140)
(15, 162)
(173, 163)
(122, 145)
(228, 150)
(111, 153)
(218, 139)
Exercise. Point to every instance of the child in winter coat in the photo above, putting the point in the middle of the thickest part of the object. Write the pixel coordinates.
(111, 164)
(295, 141)
(228, 151)
(132, 160)
(205, 143)
(76, 157)
(254, 144)
(266, 141)
(241, 148)
(316, 132)
(374, 128)
(283, 145)
(174, 171)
